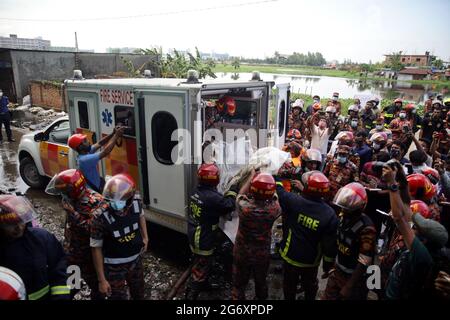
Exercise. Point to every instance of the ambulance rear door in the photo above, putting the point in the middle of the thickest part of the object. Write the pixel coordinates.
(280, 125)
(166, 183)
(117, 107)
(84, 115)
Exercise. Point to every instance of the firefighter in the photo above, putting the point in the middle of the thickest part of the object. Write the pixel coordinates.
(82, 206)
(292, 168)
(356, 246)
(379, 141)
(258, 208)
(340, 171)
(391, 112)
(400, 126)
(88, 157)
(421, 188)
(206, 207)
(297, 115)
(380, 127)
(310, 234)
(118, 240)
(311, 160)
(33, 253)
(368, 116)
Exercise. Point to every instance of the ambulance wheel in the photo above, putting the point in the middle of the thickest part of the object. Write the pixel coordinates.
(30, 173)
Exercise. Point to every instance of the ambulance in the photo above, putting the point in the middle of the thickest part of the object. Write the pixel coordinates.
(152, 109)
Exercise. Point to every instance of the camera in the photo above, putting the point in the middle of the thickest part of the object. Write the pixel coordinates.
(378, 166)
(405, 128)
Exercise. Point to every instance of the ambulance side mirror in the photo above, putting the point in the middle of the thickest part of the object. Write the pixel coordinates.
(39, 136)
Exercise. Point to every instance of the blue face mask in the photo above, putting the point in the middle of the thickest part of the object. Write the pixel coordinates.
(341, 159)
(118, 205)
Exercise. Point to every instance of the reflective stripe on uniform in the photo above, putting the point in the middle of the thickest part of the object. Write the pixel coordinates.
(120, 260)
(196, 249)
(328, 259)
(283, 254)
(39, 294)
(230, 193)
(280, 184)
(59, 290)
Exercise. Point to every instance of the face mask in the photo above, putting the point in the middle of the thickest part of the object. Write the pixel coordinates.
(379, 127)
(376, 146)
(118, 205)
(402, 115)
(342, 159)
(354, 124)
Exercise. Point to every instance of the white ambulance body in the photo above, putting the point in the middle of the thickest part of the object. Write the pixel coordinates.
(153, 109)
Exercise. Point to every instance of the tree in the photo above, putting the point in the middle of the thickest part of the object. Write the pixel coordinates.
(437, 63)
(395, 61)
(175, 65)
(236, 63)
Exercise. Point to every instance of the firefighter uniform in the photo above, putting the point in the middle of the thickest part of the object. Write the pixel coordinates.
(118, 233)
(398, 124)
(77, 235)
(311, 226)
(340, 175)
(39, 259)
(206, 207)
(390, 113)
(252, 247)
(356, 239)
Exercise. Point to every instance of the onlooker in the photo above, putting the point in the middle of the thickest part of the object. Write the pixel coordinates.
(5, 117)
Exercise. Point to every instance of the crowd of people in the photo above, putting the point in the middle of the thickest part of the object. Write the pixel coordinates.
(358, 191)
(367, 189)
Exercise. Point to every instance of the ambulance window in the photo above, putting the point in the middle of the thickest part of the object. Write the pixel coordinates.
(163, 125)
(124, 116)
(83, 114)
(282, 114)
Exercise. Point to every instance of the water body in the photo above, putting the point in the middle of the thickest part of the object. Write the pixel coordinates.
(347, 88)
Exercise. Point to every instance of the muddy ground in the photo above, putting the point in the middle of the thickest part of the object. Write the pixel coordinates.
(168, 254)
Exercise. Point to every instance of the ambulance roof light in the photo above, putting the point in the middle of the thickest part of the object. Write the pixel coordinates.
(147, 73)
(77, 75)
(256, 76)
(192, 76)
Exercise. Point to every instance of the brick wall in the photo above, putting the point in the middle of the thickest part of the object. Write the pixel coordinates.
(47, 94)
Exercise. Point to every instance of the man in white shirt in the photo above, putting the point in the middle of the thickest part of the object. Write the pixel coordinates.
(320, 134)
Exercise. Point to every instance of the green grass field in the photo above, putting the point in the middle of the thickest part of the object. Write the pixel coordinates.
(311, 71)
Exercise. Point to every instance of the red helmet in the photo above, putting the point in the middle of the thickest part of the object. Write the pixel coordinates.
(120, 187)
(420, 187)
(263, 186)
(351, 197)
(76, 140)
(431, 174)
(208, 174)
(315, 183)
(11, 286)
(409, 107)
(294, 134)
(227, 102)
(368, 169)
(418, 206)
(70, 182)
(398, 100)
(15, 209)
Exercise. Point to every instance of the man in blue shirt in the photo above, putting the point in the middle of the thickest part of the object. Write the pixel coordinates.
(88, 157)
(362, 149)
(5, 117)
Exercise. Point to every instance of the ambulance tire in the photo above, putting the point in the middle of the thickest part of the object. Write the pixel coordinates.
(30, 173)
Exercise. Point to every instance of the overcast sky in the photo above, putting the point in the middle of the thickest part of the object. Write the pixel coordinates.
(347, 29)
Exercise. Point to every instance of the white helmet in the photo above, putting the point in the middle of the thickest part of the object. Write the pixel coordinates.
(353, 107)
(11, 285)
(330, 109)
(298, 103)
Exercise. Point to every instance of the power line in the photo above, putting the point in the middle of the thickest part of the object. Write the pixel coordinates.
(143, 15)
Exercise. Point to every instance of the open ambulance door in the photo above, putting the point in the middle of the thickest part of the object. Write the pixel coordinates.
(83, 114)
(282, 95)
(165, 182)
